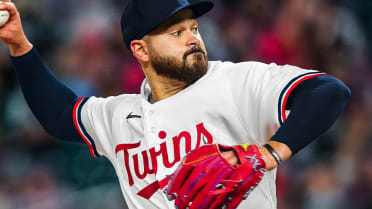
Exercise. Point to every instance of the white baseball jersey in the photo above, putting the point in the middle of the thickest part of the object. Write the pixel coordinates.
(233, 103)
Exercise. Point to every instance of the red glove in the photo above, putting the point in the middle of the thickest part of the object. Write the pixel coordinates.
(205, 179)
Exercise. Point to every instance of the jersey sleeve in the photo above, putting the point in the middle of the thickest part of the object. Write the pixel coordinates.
(260, 92)
(92, 117)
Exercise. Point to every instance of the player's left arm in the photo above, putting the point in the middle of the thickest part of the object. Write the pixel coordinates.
(315, 104)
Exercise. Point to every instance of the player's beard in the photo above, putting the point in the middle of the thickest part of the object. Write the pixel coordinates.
(192, 67)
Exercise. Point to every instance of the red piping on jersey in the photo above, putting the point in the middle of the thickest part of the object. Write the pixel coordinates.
(284, 117)
(74, 115)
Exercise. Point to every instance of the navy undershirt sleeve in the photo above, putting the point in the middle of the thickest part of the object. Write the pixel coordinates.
(49, 99)
(315, 104)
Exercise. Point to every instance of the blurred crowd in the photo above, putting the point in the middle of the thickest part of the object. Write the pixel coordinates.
(81, 42)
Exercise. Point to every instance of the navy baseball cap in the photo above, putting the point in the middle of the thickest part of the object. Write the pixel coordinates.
(141, 17)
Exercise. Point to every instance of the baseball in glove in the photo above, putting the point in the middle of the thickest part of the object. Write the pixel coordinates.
(205, 179)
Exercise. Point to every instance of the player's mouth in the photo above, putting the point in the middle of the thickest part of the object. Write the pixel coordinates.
(194, 56)
(195, 50)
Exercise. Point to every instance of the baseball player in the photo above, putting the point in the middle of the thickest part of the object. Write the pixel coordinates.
(187, 104)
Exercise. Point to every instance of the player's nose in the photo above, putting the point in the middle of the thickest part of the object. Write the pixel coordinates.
(192, 38)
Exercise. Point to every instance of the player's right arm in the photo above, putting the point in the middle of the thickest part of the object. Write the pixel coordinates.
(50, 100)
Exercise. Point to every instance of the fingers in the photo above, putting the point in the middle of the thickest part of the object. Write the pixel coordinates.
(7, 5)
(4, 3)
(10, 6)
(231, 157)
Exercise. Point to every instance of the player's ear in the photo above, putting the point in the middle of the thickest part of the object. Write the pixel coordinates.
(139, 50)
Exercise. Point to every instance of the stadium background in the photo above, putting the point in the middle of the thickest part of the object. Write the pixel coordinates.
(81, 42)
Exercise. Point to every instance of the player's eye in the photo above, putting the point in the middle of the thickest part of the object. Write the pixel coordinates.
(176, 33)
(195, 29)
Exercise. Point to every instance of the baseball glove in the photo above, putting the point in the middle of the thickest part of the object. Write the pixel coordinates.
(205, 179)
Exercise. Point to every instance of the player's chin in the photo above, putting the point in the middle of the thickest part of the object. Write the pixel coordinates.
(196, 69)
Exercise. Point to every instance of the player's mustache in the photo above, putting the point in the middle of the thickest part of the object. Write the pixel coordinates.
(194, 49)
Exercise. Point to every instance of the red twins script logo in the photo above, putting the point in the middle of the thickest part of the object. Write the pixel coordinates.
(148, 191)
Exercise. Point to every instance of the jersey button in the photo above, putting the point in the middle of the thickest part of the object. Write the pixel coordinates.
(153, 129)
(151, 112)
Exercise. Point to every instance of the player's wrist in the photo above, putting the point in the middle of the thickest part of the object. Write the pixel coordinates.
(269, 160)
(20, 49)
(274, 154)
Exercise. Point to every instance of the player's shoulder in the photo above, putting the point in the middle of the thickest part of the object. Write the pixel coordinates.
(228, 65)
(251, 67)
(112, 102)
(226, 68)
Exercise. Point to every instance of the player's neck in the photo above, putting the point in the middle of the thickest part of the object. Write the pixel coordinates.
(163, 87)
